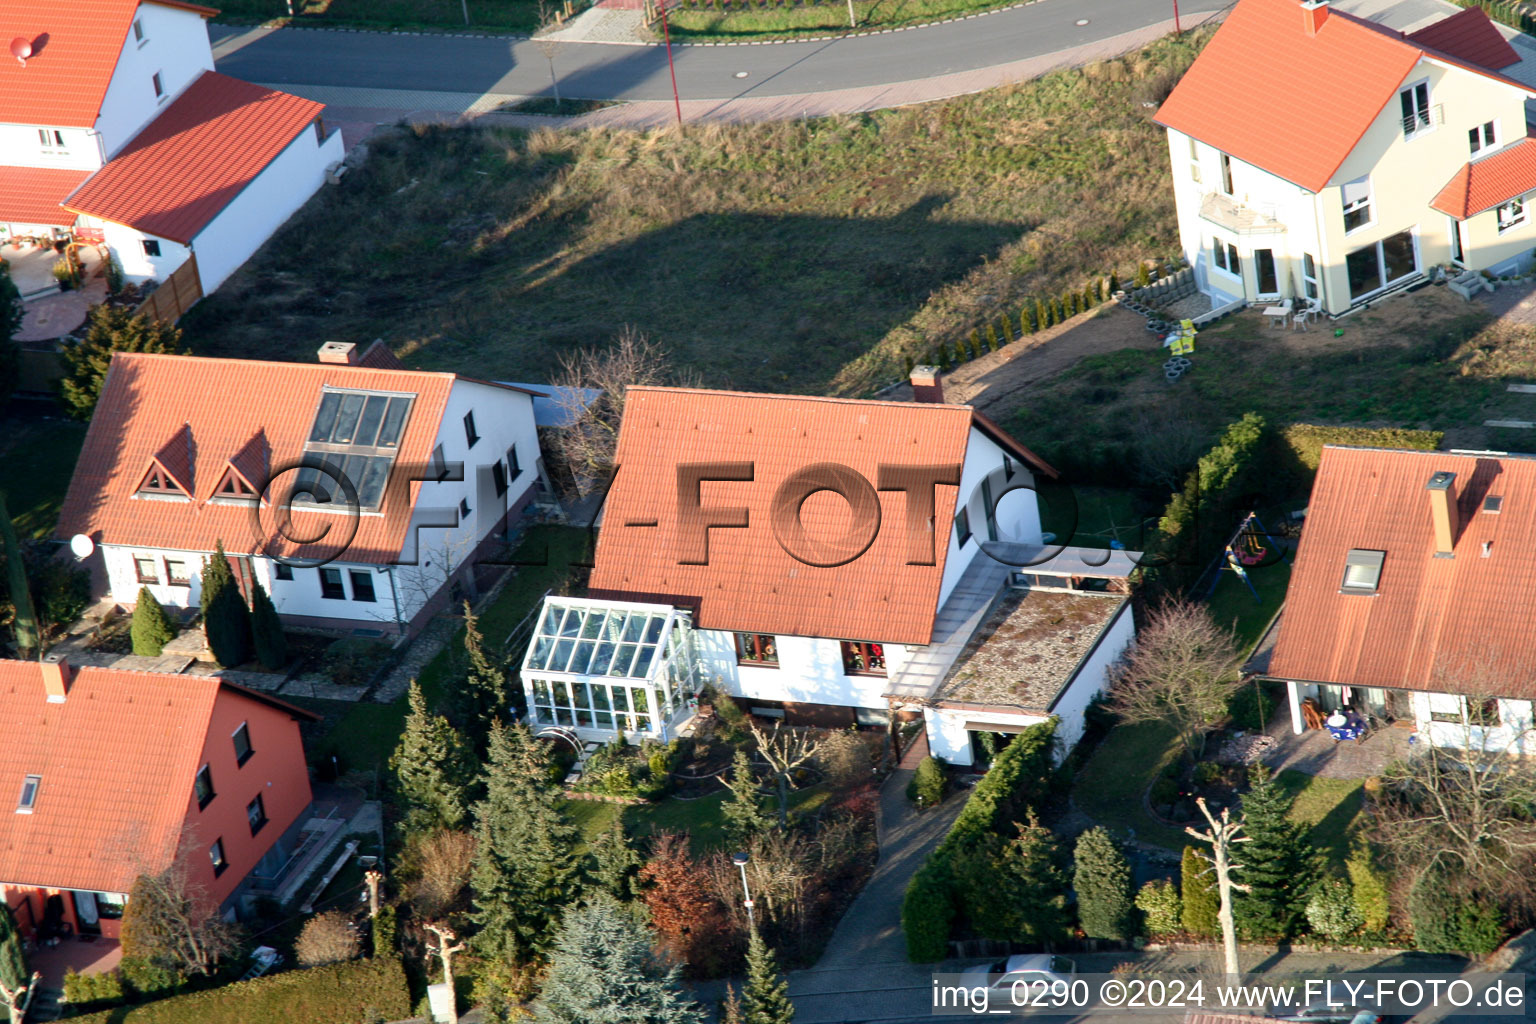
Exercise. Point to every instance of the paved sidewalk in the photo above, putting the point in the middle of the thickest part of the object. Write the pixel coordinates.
(870, 932)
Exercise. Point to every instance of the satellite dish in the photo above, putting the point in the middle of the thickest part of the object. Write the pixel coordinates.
(21, 49)
(82, 546)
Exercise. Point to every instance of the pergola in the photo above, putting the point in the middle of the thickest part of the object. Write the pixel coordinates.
(602, 667)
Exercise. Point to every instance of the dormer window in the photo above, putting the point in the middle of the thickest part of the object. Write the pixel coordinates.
(234, 487)
(29, 787)
(157, 483)
(1362, 571)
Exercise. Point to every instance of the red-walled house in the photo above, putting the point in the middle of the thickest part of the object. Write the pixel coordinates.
(115, 774)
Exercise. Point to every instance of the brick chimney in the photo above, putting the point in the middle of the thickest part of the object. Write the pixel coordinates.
(56, 676)
(1314, 13)
(343, 352)
(1442, 512)
(926, 385)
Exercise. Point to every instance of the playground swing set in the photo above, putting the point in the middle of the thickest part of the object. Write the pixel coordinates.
(1244, 549)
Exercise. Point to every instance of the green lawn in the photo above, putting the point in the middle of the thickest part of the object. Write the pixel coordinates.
(1109, 789)
(1331, 808)
(1091, 517)
(703, 819)
(775, 19)
(37, 459)
(364, 733)
(809, 256)
(1233, 604)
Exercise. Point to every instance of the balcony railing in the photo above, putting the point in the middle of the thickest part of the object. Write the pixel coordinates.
(1236, 215)
(1430, 117)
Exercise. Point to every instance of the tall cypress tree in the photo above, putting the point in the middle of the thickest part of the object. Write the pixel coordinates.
(28, 637)
(485, 693)
(604, 968)
(13, 961)
(226, 619)
(1277, 863)
(1103, 880)
(1197, 887)
(525, 861)
(152, 629)
(765, 999)
(744, 814)
(432, 766)
(267, 635)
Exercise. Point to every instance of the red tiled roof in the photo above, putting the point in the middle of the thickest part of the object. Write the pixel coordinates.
(1486, 183)
(150, 399)
(1264, 50)
(1432, 620)
(195, 157)
(1470, 35)
(117, 760)
(751, 584)
(75, 49)
(31, 195)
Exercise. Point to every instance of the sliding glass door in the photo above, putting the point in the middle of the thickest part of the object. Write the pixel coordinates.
(1380, 264)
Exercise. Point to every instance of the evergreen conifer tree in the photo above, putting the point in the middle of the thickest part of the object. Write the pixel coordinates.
(1008, 336)
(1276, 863)
(1087, 296)
(744, 814)
(1197, 885)
(432, 767)
(1114, 283)
(525, 860)
(13, 959)
(485, 693)
(1041, 320)
(24, 628)
(152, 628)
(267, 636)
(112, 329)
(616, 863)
(604, 970)
(765, 998)
(1103, 880)
(226, 619)
(991, 337)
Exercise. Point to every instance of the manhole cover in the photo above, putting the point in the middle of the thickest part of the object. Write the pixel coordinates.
(1082, 21)
(741, 74)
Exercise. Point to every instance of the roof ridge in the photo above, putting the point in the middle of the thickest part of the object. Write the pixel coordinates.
(834, 399)
(287, 364)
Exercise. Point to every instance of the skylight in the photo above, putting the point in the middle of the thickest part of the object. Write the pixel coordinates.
(29, 787)
(356, 436)
(1362, 571)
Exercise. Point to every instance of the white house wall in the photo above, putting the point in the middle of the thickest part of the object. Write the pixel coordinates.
(1514, 732)
(810, 672)
(139, 267)
(176, 46)
(502, 418)
(262, 206)
(22, 146)
(1018, 518)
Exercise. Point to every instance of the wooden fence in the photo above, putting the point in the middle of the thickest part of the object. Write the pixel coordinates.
(177, 294)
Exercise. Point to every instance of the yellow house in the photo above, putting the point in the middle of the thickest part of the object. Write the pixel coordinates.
(1316, 155)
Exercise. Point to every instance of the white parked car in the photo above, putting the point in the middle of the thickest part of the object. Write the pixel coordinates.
(1026, 968)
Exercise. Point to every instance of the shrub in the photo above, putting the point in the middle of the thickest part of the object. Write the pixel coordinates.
(1251, 708)
(112, 329)
(226, 619)
(991, 337)
(1102, 878)
(152, 628)
(928, 783)
(1087, 297)
(114, 272)
(1448, 918)
(975, 343)
(1369, 888)
(1143, 275)
(1114, 282)
(267, 636)
(1331, 910)
(1040, 320)
(150, 979)
(1161, 908)
(1008, 337)
(961, 353)
(1197, 887)
(844, 757)
(328, 938)
(60, 590)
(1164, 791)
(66, 274)
(86, 991)
(343, 993)
(1211, 495)
(353, 661)
(944, 362)
(927, 912)
(386, 931)
(1207, 772)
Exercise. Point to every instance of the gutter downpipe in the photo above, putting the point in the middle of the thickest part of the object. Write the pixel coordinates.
(394, 599)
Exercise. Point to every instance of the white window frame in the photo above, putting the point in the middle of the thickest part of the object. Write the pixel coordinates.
(157, 83)
(31, 785)
(1358, 204)
(1458, 243)
(1223, 254)
(1484, 138)
(1451, 708)
(1194, 160)
(1228, 182)
(1423, 119)
(1311, 283)
(1515, 215)
(50, 142)
(1368, 562)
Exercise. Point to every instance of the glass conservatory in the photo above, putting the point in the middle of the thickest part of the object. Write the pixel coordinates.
(601, 667)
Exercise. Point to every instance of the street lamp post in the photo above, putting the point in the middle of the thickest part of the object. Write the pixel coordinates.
(741, 860)
(1176, 30)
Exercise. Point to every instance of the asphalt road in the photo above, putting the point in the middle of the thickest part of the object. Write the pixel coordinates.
(296, 58)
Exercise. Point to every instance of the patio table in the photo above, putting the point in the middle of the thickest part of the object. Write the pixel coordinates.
(1278, 314)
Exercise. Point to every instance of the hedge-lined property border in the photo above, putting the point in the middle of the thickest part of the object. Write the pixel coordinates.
(344, 993)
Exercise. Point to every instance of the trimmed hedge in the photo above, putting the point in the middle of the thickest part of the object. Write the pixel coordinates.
(343, 993)
(1018, 778)
(1306, 440)
(1200, 517)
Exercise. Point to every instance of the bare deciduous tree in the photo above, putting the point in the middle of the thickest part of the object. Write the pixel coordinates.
(443, 862)
(1466, 801)
(444, 949)
(16, 1000)
(785, 750)
(173, 922)
(1181, 671)
(586, 446)
(548, 46)
(1222, 834)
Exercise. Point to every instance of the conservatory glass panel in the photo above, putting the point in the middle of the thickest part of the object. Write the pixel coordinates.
(594, 625)
(653, 629)
(602, 659)
(621, 698)
(642, 669)
(551, 623)
(540, 656)
(633, 627)
(562, 656)
(572, 624)
(583, 656)
(625, 659)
